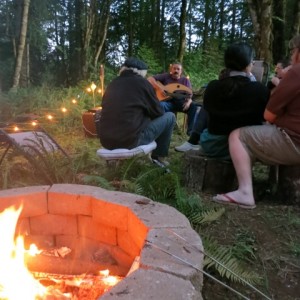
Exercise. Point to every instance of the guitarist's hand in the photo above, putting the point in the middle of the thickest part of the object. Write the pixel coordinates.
(187, 104)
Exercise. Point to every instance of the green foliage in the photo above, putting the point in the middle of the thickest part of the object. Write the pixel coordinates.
(244, 247)
(147, 54)
(227, 261)
(202, 67)
(150, 181)
(98, 181)
(220, 258)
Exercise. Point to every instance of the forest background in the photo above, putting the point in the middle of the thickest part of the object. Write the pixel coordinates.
(60, 43)
(52, 50)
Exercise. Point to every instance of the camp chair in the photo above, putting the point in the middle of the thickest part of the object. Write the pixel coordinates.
(113, 157)
(260, 70)
(32, 144)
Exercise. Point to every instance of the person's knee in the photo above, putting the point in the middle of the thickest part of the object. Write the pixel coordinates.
(170, 117)
(234, 135)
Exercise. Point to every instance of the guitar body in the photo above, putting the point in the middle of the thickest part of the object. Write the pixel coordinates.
(172, 90)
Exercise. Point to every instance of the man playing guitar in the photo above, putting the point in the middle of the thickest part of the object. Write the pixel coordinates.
(175, 92)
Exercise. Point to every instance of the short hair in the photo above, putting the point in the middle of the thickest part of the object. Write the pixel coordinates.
(136, 65)
(142, 73)
(176, 63)
(285, 62)
(238, 56)
(295, 42)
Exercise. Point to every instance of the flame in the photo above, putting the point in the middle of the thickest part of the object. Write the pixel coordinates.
(16, 282)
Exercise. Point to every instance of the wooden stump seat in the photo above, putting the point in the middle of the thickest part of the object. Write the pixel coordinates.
(204, 174)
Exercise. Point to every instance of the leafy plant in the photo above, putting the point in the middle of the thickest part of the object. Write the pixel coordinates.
(220, 258)
(244, 247)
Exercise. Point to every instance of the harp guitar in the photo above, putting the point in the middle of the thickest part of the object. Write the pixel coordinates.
(172, 90)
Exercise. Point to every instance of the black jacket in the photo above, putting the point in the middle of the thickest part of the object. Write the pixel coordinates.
(129, 103)
(234, 102)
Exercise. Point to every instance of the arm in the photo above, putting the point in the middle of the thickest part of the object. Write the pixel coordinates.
(158, 87)
(270, 117)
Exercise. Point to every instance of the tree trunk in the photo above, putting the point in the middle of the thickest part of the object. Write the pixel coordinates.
(182, 33)
(296, 27)
(22, 41)
(278, 30)
(105, 15)
(233, 22)
(261, 15)
(88, 31)
(129, 27)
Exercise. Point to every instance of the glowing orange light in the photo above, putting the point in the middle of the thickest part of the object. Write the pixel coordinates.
(63, 109)
(16, 281)
(16, 128)
(22, 286)
(93, 86)
(49, 117)
(99, 91)
(74, 101)
(33, 123)
(33, 250)
(88, 89)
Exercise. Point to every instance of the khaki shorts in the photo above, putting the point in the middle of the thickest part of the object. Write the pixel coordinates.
(270, 145)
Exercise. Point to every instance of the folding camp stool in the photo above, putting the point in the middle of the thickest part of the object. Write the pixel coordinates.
(113, 157)
(29, 144)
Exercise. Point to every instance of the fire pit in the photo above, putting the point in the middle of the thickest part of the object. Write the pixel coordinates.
(150, 245)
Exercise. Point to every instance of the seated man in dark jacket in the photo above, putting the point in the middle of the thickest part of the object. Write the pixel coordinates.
(131, 113)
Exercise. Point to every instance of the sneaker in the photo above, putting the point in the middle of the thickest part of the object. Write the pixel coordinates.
(186, 146)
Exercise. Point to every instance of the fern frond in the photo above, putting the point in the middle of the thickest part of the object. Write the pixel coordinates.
(223, 262)
(98, 181)
(207, 216)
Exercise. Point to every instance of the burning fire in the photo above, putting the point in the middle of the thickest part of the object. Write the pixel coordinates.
(17, 282)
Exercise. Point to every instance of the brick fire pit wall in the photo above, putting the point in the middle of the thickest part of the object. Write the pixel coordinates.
(130, 226)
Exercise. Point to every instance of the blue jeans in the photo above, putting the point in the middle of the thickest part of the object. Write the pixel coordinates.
(159, 130)
(176, 106)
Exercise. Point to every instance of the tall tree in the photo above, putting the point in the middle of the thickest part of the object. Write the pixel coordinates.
(261, 15)
(21, 44)
(129, 27)
(279, 22)
(182, 32)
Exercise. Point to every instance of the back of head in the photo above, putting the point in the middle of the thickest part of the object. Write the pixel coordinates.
(136, 65)
(295, 42)
(238, 56)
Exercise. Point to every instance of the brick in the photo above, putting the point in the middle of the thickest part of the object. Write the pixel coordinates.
(137, 230)
(23, 227)
(97, 231)
(66, 204)
(53, 225)
(33, 200)
(110, 214)
(41, 241)
(123, 258)
(126, 243)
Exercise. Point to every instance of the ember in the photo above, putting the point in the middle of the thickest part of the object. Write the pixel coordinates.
(39, 286)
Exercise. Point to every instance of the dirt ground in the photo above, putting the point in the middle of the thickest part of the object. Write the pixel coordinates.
(274, 230)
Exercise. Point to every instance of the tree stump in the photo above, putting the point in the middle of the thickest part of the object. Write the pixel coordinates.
(288, 188)
(204, 174)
